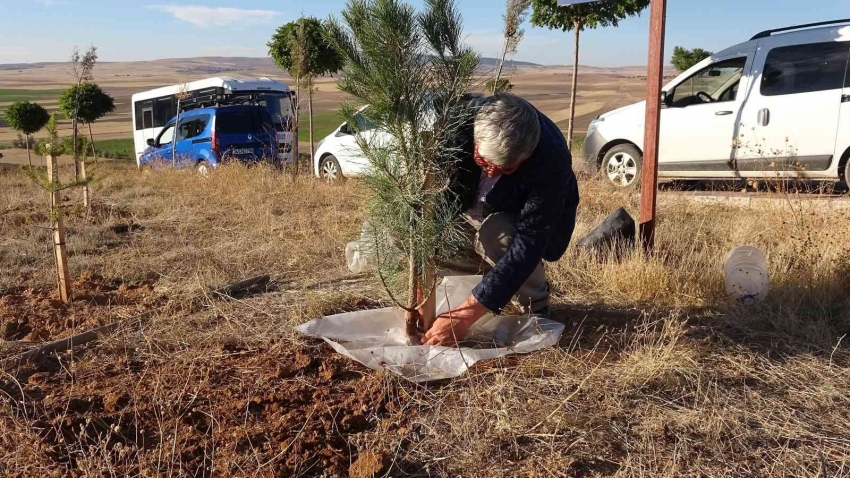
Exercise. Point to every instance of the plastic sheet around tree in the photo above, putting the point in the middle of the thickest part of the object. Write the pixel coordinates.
(376, 338)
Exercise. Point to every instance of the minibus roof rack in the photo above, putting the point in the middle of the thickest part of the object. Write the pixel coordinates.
(768, 33)
(205, 100)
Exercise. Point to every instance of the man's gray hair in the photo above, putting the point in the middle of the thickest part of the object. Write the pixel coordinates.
(507, 130)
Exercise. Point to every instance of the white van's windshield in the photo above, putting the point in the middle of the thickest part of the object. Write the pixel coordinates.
(714, 83)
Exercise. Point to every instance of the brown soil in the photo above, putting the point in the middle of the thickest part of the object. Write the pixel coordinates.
(38, 315)
(282, 413)
(370, 465)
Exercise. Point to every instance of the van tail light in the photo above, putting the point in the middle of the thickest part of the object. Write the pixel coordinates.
(215, 144)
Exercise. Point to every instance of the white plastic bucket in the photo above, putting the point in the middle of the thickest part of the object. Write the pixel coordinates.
(746, 274)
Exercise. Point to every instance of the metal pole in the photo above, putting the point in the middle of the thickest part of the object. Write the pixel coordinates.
(654, 76)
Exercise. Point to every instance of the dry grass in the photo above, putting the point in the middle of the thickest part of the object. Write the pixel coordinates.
(657, 373)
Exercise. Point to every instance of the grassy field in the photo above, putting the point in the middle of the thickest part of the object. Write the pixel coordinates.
(13, 94)
(323, 124)
(122, 148)
(657, 373)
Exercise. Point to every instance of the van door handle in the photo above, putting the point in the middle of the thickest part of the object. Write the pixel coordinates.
(764, 117)
(723, 113)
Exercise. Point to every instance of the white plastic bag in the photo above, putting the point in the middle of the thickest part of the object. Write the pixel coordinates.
(360, 254)
(376, 338)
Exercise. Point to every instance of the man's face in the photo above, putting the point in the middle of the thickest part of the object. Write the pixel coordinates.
(492, 169)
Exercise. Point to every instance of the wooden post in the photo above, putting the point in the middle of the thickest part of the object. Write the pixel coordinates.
(654, 76)
(63, 278)
(86, 194)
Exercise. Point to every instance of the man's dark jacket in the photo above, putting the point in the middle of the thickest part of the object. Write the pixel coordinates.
(542, 194)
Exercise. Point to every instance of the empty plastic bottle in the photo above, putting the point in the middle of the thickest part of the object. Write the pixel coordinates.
(747, 279)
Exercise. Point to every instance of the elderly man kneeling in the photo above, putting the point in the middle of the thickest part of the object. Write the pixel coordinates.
(516, 185)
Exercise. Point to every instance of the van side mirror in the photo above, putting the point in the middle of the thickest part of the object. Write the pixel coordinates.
(151, 142)
(665, 98)
(345, 129)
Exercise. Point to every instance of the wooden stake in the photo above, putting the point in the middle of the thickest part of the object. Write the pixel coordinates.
(63, 278)
(654, 76)
(86, 195)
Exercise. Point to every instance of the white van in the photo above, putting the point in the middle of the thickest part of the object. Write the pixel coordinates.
(777, 106)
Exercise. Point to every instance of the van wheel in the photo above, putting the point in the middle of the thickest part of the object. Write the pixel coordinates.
(329, 169)
(203, 169)
(622, 165)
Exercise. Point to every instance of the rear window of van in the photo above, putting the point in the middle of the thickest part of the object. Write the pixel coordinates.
(244, 121)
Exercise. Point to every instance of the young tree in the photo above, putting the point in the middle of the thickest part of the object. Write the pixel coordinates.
(81, 69)
(515, 14)
(86, 103)
(299, 48)
(51, 149)
(28, 118)
(411, 69)
(576, 18)
(684, 59)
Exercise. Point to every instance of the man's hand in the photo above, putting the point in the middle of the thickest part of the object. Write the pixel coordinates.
(452, 326)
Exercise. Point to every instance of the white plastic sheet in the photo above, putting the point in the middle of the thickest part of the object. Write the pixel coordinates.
(376, 338)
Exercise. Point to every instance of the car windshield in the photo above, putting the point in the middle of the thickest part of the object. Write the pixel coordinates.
(253, 120)
(280, 108)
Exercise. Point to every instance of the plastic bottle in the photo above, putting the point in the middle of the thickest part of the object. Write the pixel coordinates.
(747, 279)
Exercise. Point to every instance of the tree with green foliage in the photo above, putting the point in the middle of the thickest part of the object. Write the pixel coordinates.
(28, 118)
(86, 103)
(577, 18)
(300, 48)
(412, 70)
(684, 59)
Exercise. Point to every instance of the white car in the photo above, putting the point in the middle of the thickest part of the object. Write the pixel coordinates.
(777, 106)
(338, 155)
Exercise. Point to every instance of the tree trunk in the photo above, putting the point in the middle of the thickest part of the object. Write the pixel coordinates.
(29, 156)
(91, 138)
(501, 65)
(63, 278)
(74, 152)
(294, 126)
(428, 310)
(174, 136)
(310, 108)
(411, 316)
(570, 128)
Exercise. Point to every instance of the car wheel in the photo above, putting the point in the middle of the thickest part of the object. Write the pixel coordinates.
(203, 169)
(329, 169)
(846, 176)
(622, 165)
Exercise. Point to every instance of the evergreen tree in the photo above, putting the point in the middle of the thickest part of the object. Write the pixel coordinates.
(411, 70)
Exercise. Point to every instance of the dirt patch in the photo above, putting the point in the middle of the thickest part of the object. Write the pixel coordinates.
(281, 413)
(370, 465)
(38, 315)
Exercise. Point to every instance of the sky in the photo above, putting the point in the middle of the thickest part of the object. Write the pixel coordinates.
(125, 30)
